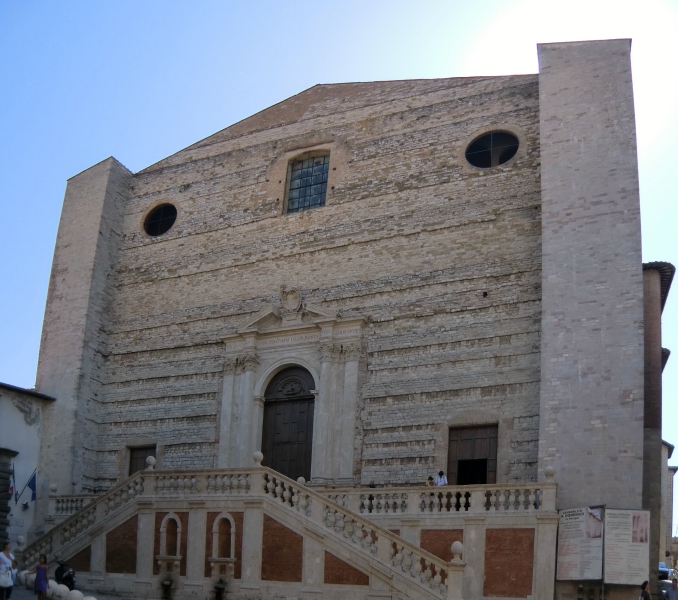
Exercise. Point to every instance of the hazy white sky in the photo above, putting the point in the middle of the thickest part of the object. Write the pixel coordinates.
(82, 81)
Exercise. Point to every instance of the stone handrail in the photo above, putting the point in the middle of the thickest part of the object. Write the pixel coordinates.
(398, 557)
(418, 566)
(422, 500)
(92, 513)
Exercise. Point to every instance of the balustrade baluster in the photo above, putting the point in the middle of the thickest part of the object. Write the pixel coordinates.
(303, 503)
(287, 495)
(348, 527)
(339, 523)
(398, 560)
(437, 579)
(278, 488)
(329, 521)
(417, 568)
(359, 535)
(531, 499)
(407, 562)
(379, 503)
(427, 573)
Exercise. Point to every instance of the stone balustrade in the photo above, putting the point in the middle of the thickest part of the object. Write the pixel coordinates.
(61, 507)
(421, 501)
(355, 519)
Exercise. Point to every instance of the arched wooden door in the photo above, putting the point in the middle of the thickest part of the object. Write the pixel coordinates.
(288, 423)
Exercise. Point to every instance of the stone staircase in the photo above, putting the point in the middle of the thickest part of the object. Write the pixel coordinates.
(393, 567)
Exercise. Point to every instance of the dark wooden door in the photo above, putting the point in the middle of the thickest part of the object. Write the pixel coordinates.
(288, 423)
(472, 455)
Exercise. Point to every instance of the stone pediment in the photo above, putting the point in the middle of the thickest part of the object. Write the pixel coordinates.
(274, 318)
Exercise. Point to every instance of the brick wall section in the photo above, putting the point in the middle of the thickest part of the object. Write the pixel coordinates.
(282, 552)
(82, 561)
(509, 558)
(438, 541)
(121, 548)
(238, 520)
(183, 520)
(341, 573)
(411, 239)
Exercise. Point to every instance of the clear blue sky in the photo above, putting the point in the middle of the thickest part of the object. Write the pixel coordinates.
(82, 81)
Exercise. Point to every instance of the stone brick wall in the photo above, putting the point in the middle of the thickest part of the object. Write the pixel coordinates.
(439, 541)
(340, 572)
(282, 552)
(82, 561)
(121, 548)
(591, 427)
(442, 259)
(509, 560)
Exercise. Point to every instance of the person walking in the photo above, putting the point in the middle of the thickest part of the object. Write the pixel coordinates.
(6, 560)
(41, 571)
(672, 592)
(644, 594)
(441, 479)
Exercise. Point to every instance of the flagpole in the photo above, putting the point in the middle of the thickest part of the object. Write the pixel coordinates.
(23, 490)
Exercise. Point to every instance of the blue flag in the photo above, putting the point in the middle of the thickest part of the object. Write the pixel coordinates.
(32, 484)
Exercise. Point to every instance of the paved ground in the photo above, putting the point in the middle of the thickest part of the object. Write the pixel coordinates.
(21, 593)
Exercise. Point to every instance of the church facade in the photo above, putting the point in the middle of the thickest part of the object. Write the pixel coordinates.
(371, 283)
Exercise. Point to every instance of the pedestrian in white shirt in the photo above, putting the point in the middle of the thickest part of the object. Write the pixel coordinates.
(441, 479)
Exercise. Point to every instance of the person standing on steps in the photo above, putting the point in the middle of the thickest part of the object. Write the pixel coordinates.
(41, 571)
(441, 479)
(6, 560)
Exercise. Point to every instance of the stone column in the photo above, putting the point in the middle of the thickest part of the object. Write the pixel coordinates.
(257, 421)
(145, 538)
(474, 556)
(252, 543)
(248, 364)
(652, 421)
(314, 563)
(323, 430)
(195, 548)
(225, 458)
(347, 414)
(545, 556)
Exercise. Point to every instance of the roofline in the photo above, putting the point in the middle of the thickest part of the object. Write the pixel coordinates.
(666, 272)
(14, 388)
(669, 446)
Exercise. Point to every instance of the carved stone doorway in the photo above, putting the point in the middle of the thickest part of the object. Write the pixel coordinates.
(288, 423)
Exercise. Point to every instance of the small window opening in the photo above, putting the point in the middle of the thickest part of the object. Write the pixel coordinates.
(484, 294)
(138, 456)
(492, 149)
(307, 183)
(160, 219)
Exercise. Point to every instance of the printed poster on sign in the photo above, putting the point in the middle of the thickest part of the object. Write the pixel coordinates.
(580, 544)
(627, 546)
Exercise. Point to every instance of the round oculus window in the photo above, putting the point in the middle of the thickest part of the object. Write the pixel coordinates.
(492, 149)
(160, 219)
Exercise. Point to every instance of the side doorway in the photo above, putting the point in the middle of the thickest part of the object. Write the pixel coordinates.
(472, 455)
(287, 437)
